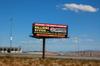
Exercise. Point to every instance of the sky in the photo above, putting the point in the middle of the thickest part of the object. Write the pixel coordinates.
(82, 17)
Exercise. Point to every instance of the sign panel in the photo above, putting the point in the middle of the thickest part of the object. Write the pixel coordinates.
(41, 30)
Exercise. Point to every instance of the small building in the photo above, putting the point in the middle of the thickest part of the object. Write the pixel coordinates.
(10, 50)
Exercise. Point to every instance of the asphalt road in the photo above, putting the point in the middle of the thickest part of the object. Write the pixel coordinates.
(71, 57)
(57, 56)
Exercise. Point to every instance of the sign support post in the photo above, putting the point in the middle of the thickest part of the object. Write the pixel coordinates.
(43, 54)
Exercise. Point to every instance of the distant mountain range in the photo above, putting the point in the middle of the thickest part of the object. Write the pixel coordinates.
(87, 53)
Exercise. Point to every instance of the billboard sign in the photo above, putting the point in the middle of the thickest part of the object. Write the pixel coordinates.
(40, 30)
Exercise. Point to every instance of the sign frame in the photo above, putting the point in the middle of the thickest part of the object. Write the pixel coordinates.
(58, 30)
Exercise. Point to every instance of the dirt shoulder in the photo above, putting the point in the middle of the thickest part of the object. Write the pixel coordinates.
(29, 61)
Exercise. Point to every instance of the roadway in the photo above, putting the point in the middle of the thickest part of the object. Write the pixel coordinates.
(49, 56)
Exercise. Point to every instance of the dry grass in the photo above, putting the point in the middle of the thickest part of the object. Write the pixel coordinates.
(26, 61)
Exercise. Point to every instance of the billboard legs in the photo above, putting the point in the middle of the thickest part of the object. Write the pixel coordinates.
(43, 54)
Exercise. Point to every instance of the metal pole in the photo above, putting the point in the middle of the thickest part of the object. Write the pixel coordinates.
(43, 55)
(11, 20)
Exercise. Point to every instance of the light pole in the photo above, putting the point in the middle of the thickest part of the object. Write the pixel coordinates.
(11, 36)
(76, 40)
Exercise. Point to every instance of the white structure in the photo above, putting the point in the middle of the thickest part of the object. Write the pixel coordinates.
(10, 50)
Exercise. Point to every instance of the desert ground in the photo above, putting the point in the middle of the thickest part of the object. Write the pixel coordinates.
(29, 61)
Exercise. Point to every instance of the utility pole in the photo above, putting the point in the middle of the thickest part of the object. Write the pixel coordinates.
(11, 36)
(76, 40)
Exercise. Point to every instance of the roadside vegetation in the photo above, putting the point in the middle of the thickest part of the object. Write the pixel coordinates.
(28, 61)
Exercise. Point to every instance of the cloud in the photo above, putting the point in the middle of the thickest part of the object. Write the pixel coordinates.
(80, 39)
(79, 7)
(75, 39)
(89, 40)
(57, 41)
